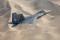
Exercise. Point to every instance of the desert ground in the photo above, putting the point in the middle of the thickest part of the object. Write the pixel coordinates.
(45, 28)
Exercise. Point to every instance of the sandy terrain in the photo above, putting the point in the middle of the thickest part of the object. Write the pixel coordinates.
(46, 28)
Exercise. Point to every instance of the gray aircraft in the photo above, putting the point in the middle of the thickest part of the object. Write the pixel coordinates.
(20, 19)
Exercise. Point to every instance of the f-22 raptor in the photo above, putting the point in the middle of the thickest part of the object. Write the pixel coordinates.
(20, 19)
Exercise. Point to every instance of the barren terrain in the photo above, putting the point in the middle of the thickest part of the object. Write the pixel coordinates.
(46, 28)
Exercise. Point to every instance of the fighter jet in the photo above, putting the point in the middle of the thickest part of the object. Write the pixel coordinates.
(20, 19)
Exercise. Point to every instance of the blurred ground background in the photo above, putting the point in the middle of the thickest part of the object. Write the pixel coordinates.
(46, 28)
